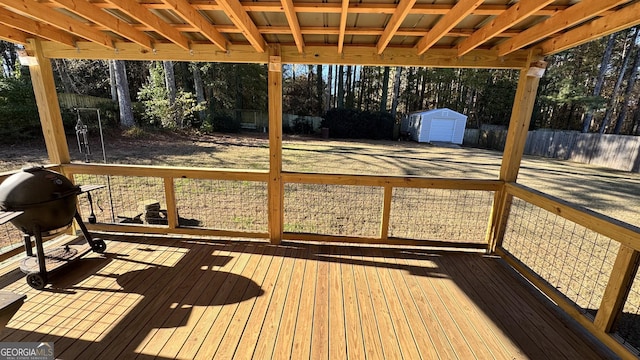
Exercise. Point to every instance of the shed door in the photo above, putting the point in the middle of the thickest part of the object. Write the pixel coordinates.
(442, 129)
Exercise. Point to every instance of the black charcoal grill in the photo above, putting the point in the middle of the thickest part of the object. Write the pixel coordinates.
(42, 203)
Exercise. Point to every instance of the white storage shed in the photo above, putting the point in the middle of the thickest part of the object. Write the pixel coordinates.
(443, 125)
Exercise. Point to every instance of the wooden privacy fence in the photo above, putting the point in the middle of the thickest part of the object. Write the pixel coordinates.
(70, 101)
(620, 152)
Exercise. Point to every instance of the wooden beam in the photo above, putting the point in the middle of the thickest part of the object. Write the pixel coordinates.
(195, 19)
(108, 21)
(619, 20)
(294, 24)
(140, 13)
(12, 35)
(355, 8)
(620, 282)
(325, 54)
(573, 15)
(459, 11)
(239, 16)
(46, 15)
(34, 27)
(404, 6)
(502, 22)
(275, 186)
(44, 88)
(344, 10)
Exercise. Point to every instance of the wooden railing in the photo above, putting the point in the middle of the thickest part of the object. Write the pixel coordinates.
(308, 185)
(584, 234)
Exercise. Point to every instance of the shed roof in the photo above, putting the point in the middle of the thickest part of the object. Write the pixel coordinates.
(490, 33)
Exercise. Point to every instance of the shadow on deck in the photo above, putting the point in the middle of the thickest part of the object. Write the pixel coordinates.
(165, 298)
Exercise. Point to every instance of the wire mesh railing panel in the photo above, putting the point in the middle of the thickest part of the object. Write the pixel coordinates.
(124, 199)
(440, 214)
(10, 237)
(571, 258)
(627, 326)
(341, 210)
(222, 204)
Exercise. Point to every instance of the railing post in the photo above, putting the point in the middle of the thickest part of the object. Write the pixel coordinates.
(170, 198)
(620, 282)
(386, 212)
(275, 187)
(514, 148)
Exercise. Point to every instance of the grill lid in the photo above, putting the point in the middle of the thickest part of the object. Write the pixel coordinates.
(34, 186)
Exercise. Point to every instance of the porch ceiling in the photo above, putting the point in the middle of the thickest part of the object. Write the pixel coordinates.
(463, 33)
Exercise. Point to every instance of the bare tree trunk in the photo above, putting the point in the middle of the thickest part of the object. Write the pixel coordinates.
(385, 89)
(341, 86)
(396, 91)
(199, 87)
(170, 83)
(606, 58)
(630, 84)
(616, 88)
(319, 89)
(112, 80)
(327, 103)
(124, 100)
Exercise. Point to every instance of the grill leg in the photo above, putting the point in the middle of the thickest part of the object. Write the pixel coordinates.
(40, 249)
(83, 227)
(27, 244)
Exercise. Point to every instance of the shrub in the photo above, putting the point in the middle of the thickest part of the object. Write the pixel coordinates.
(356, 124)
(19, 118)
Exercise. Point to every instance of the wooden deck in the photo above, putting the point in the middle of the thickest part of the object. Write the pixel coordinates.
(163, 298)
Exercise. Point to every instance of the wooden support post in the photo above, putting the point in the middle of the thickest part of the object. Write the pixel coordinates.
(276, 187)
(620, 282)
(386, 212)
(44, 88)
(514, 148)
(170, 197)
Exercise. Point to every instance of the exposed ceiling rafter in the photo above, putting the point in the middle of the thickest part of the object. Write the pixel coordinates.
(620, 20)
(195, 19)
(573, 15)
(46, 15)
(294, 24)
(140, 13)
(344, 11)
(500, 23)
(446, 23)
(98, 16)
(242, 20)
(404, 6)
(24, 24)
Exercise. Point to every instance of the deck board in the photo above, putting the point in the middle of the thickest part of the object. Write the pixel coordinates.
(166, 298)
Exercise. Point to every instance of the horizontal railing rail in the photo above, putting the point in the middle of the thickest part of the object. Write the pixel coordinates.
(584, 261)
